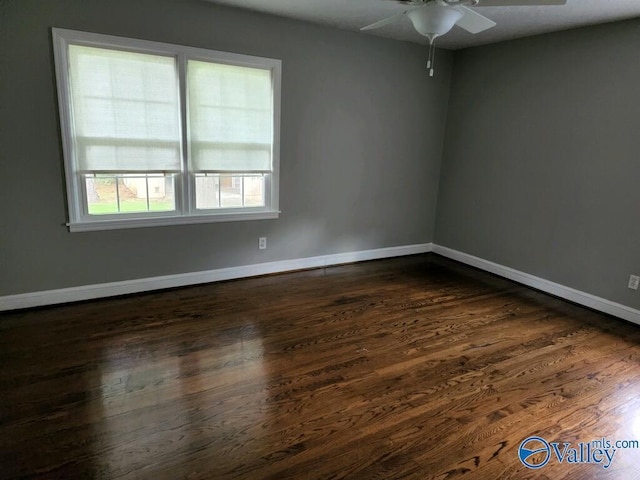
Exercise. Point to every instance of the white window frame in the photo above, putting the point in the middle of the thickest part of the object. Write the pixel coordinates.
(186, 212)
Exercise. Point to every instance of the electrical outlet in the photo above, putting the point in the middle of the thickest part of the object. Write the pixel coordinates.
(634, 281)
(262, 243)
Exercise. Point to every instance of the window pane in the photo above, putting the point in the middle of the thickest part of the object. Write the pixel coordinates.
(230, 117)
(130, 193)
(161, 194)
(207, 191)
(229, 190)
(254, 191)
(102, 197)
(125, 110)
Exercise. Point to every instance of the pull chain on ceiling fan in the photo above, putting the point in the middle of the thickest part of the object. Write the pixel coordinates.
(434, 18)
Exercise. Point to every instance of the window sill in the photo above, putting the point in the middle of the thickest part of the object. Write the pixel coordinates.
(118, 224)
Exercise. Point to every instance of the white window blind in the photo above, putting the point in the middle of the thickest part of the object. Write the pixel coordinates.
(230, 117)
(125, 109)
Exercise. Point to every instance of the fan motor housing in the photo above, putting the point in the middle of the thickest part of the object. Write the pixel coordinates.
(434, 20)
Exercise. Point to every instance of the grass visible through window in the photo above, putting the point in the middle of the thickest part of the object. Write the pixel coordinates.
(130, 206)
(110, 194)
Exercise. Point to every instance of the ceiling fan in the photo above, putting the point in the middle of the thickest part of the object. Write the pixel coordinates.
(434, 18)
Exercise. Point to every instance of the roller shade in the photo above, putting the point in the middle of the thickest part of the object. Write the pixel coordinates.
(125, 108)
(230, 117)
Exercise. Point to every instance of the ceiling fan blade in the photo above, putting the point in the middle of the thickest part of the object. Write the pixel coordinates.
(383, 22)
(472, 21)
(518, 3)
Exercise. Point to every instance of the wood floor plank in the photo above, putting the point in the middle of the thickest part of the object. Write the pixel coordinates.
(414, 367)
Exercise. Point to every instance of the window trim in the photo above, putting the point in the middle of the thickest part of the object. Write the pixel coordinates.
(186, 211)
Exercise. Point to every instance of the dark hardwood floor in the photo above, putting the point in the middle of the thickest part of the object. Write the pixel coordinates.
(413, 367)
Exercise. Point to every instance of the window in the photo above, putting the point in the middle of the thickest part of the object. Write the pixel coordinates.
(159, 134)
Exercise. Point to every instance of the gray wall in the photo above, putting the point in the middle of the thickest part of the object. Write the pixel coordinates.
(541, 170)
(362, 133)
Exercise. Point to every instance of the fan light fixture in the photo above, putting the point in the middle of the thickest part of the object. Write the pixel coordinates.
(432, 21)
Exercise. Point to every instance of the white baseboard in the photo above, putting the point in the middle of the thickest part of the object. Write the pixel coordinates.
(103, 290)
(576, 296)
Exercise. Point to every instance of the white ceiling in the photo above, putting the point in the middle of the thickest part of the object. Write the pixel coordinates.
(513, 22)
